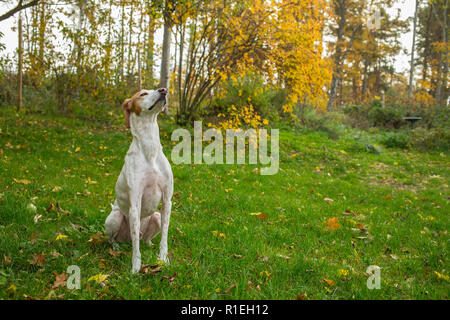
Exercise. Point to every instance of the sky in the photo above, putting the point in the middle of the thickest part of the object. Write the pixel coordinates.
(401, 61)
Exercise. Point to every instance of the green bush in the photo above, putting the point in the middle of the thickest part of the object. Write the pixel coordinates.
(375, 115)
(432, 116)
(330, 123)
(396, 140)
(387, 116)
(431, 139)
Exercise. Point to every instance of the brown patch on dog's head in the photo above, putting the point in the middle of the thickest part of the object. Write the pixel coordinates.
(131, 105)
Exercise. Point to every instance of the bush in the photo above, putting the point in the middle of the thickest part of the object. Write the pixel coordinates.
(375, 115)
(432, 116)
(248, 91)
(431, 139)
(396, 140)
(330, 123)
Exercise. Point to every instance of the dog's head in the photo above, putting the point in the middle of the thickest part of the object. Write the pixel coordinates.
(146, 101)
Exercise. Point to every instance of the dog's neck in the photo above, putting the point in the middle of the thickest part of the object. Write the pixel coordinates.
(145, 131)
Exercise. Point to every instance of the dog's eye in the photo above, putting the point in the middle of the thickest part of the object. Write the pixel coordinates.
(143, 94)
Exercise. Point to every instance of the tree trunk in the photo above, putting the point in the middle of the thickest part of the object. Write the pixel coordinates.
(165, 59)
(150, 43)
(413, 49)
(180, 63)
(42, 27)
(444, 94)
(19, 73)
(365, 80)
(342, 10)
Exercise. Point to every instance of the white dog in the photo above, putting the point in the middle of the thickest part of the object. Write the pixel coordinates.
(146, 179)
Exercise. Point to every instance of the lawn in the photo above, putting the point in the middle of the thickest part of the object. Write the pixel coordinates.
(309, 232)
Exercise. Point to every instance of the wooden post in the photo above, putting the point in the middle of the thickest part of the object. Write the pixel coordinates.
(19, 73)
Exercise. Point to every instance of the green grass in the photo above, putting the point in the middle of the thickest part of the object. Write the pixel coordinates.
(392, 209)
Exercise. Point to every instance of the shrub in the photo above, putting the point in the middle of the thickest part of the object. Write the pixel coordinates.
(388, 116)
(396, 140)
(249, 91)
(431, 139)
(330, 123)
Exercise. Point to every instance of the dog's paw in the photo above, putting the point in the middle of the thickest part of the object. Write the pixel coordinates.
(164, 258)
(136, 264)
(136, 268)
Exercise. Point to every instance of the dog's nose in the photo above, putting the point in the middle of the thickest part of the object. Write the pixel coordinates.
(162, 91)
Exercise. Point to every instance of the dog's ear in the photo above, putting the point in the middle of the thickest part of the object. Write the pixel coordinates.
(126, 105)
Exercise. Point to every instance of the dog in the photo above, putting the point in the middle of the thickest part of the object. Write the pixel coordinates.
(146, 179)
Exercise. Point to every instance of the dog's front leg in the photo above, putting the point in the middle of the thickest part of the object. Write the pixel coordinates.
(135, 225)
(165, 218)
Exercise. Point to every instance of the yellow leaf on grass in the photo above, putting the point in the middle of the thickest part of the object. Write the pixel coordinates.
(77, 149)
(12, 287)
(99, 278)
(343, 272)
(60, 236)
(442, 276)
(218, 234)
(23, 181)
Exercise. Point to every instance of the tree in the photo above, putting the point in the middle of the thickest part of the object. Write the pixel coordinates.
(19, 7)
(433, 55)
(345, 13)
(165, 59)
(413, 49)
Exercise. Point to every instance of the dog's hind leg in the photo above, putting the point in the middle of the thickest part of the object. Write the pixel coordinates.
(150, 227)
(113, 224)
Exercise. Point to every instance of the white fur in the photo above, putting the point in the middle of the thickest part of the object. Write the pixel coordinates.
(146, 179)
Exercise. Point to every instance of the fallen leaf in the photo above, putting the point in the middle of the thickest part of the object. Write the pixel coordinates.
(218, 234)
(7, 259)
(259, 215)
(60, 280)
(23, 181)
(301, 296)
(96, 238)
(230, 288)
(170, 278)
(150, 269)
(328, 200)
(441, 276)
(12, 287)
(60, 236)
(329, 282)
(333, 224)
(99, 278)
(38, 259)
(115, 253)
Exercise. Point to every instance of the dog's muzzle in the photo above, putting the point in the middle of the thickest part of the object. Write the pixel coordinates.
(162, 97)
